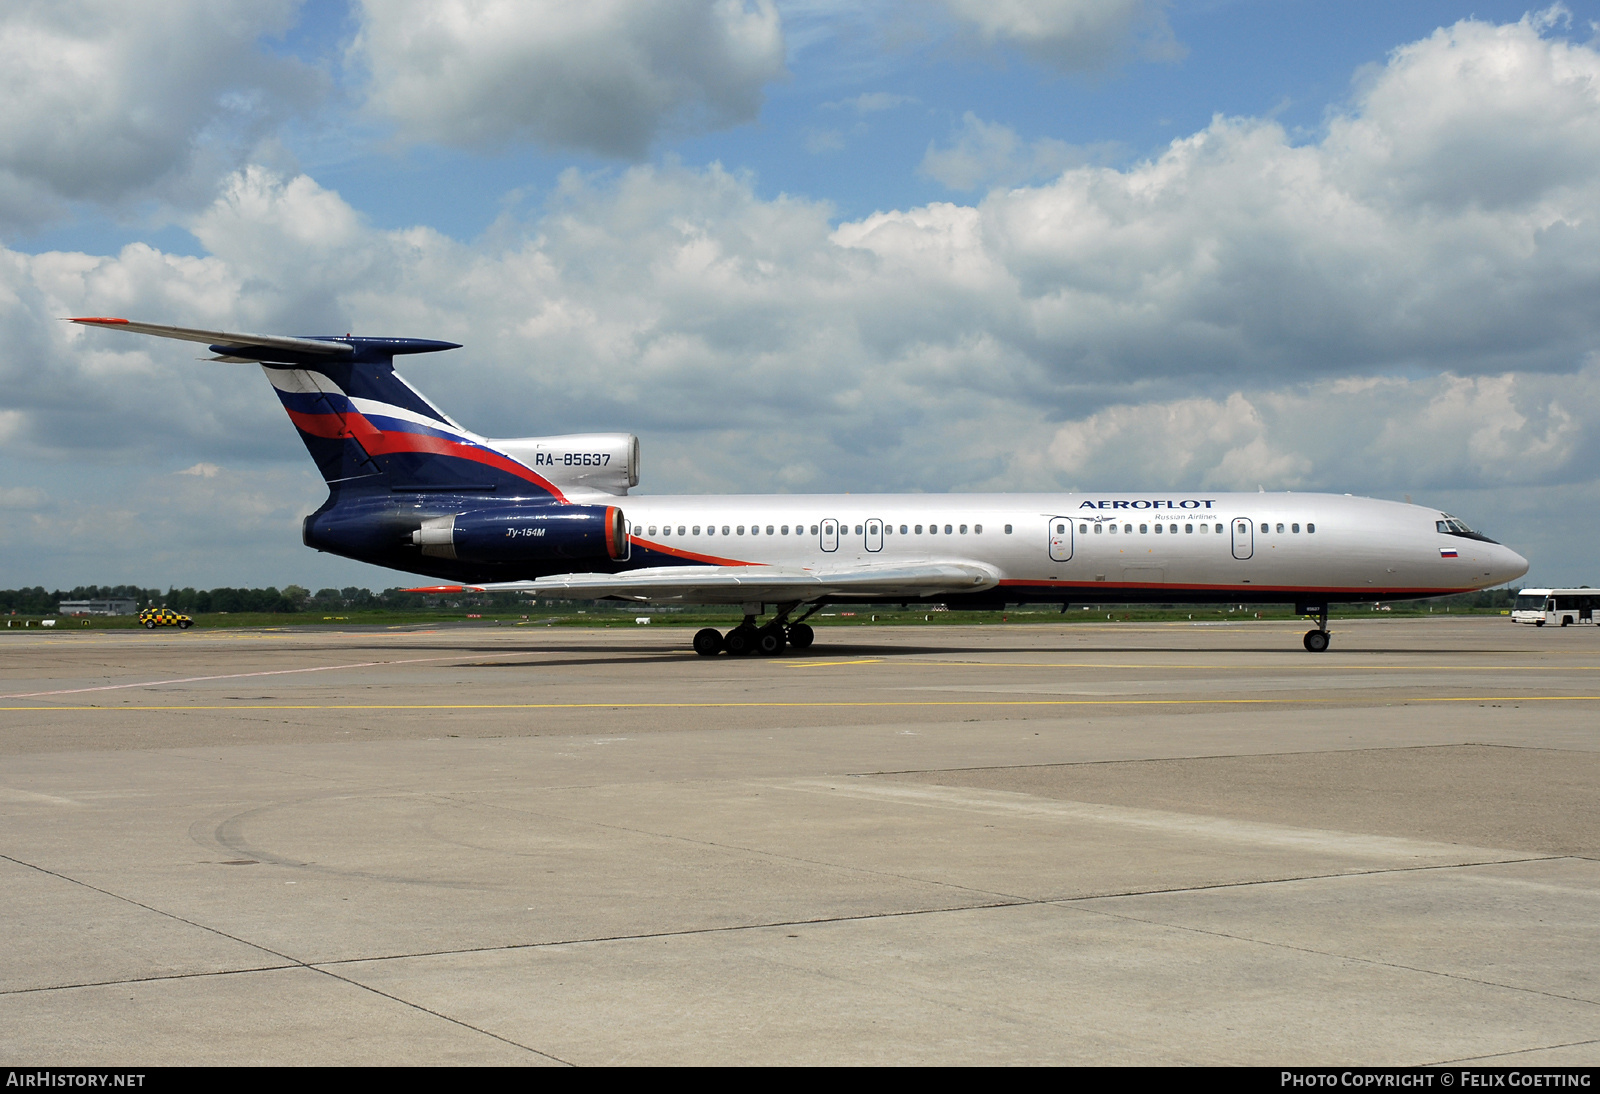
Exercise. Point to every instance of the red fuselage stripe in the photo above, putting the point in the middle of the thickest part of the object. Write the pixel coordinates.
(1367, 591)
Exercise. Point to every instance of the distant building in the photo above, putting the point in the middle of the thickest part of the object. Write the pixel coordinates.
(99, 607)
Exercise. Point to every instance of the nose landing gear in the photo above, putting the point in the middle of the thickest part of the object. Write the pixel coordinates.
(1316, 640)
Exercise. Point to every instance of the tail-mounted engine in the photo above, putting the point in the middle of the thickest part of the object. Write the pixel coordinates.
(537, 534)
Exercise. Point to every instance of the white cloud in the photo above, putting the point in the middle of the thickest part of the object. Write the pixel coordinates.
(606, 76)
(871, 102)
(1072, 35)
(1443, 432)
(990, 154)
(100, 100)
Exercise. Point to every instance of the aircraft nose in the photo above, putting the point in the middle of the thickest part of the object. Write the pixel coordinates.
(1507, 565)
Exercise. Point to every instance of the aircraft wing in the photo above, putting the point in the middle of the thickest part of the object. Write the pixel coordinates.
(218, 337)
(747, 584)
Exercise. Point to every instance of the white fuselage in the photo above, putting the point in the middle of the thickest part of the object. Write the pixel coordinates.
(1089, 546)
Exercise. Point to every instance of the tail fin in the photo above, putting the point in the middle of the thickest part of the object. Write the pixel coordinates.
(366, 428)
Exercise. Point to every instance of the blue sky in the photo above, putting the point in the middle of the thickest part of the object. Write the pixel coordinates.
(805, 247)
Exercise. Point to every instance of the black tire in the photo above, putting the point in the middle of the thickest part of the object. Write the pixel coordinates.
(1540, 623)
(1316, 641)
(150, 625)
(708, 642)
(186, 624)
(769, 640)
(740, 642)
(801, 636)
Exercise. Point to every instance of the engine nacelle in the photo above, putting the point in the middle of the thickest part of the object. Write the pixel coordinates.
(604, 462)
(526, 534)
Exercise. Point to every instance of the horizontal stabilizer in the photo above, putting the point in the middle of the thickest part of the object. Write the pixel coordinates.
(221, 337)
(744, 584)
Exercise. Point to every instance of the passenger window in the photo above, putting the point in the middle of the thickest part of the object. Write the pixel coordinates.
(769, 529)
(1061, 528)
(785, 529)
(740, 529)
(724, 529)
(1188, 529)
(1219, 529)
(1158, 529)
(652, 530)
(1098, 529)
(1008, 529)
(1266, 528)
(1144, 529)
(902, 529)
(1205, 528)
(1310, 528)
(947, 529)
(1280, 529)
(977, 529)
(1295, 528)
(1083, 528)
(813, 529)
(919, 529)
(697, 529)
(858, 529)
(963, 529)
(1112, 529)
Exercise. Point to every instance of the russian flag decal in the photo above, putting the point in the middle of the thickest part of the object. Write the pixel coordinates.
(1447, 552)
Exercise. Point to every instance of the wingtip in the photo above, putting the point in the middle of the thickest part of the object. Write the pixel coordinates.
(101, 319)
(437, 589)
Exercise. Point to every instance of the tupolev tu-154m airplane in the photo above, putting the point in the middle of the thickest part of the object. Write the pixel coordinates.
(410, 489)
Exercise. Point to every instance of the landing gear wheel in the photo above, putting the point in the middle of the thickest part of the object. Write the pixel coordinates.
(740, 642)
(770, 640)
(801, 636)
(708, 642)
(1317, 641)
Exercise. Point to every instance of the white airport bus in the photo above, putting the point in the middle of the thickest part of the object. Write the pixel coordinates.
(1562, 606)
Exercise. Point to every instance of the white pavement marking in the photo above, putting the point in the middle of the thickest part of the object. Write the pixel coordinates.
(227, 676)
(1007, 803)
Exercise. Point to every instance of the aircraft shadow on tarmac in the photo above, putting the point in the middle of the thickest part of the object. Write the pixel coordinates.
(611, 653)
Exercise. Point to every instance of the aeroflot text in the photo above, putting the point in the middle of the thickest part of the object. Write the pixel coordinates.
(1146, 503)
(1446, 1078)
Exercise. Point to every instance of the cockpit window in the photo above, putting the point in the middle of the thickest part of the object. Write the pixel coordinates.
(1450, 526)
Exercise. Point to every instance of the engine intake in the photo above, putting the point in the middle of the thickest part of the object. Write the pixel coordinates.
(606, 463)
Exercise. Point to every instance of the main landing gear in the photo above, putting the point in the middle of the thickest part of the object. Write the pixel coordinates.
(750, 637)
(1317, 640)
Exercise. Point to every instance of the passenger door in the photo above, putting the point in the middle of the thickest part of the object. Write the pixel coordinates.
(1060, 539)
(1244, 538)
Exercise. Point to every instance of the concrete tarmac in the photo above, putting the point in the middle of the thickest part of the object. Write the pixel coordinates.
(1088, 843)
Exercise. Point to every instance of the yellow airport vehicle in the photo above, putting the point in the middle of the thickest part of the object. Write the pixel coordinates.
(164, 617)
